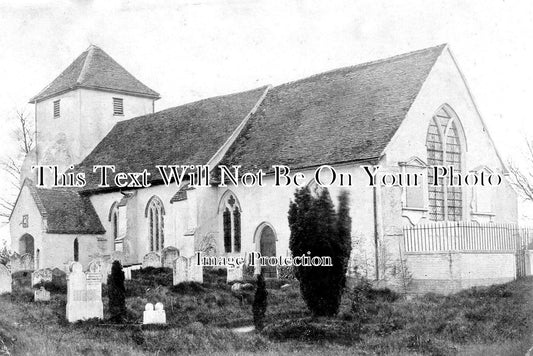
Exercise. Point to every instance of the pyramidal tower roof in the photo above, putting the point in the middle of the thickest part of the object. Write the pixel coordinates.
(95, 69)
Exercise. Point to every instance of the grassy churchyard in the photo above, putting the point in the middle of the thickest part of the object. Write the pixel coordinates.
(201, 319)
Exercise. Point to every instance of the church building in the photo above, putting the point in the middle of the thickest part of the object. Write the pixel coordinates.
(405, 114)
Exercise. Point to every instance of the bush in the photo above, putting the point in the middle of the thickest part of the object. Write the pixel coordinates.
(116, 293)
(317, 230)
(260, 303)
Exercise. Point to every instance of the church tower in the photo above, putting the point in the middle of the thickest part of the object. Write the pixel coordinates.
(77, 109)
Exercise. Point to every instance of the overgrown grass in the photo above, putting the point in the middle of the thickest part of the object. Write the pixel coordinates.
(200, 318)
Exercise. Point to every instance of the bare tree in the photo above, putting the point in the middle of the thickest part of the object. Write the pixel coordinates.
(522, 178)
(24, 135)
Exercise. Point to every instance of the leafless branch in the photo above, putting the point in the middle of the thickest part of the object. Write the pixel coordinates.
(522, 179)
(23, 134)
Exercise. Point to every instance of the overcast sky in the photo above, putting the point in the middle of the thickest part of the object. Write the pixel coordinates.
(187, 50)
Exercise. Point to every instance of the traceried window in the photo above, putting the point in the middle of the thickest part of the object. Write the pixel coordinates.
(231, 223)
(444, 149)
(155, 213)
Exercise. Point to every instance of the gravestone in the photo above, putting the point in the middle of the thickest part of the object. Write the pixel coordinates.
(14, 263)
(5, 280)
(181, 270)
(152, 259)
(154, 316)
(196, 272)
(41, 295)
(59, 277)
(234, 274)
(84, 294)
(187, 270)
(168, 255)
(26, 262)
(95, 266)
(41, 275)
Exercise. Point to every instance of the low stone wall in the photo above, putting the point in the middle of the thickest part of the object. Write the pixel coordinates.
(449, 272)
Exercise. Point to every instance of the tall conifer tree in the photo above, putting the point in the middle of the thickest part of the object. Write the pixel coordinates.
(317, 230)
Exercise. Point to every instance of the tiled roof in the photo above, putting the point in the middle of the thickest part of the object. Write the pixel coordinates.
(66, 211)
(343, 115)
(186, 135)
(97, 70)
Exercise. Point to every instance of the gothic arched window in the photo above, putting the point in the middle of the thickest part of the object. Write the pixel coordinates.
(155, 213)
(230, 210)
(444, 149)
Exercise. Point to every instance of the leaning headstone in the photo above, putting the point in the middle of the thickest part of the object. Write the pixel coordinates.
(41, 295)
(168, 255)
(26, 262)
(84, 294)
(152, 259)
(157, 316)
(5, 280)
(41, 275)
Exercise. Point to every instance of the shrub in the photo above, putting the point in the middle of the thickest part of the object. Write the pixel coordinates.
(260, 303)
(317, 230)
(116, 293)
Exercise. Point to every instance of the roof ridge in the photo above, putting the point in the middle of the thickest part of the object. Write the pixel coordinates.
(95, 69)
(192, 103)
(88, 58)
(34, 191)
(366, 64)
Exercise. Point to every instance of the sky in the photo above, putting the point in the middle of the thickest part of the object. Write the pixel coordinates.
(188, 50)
